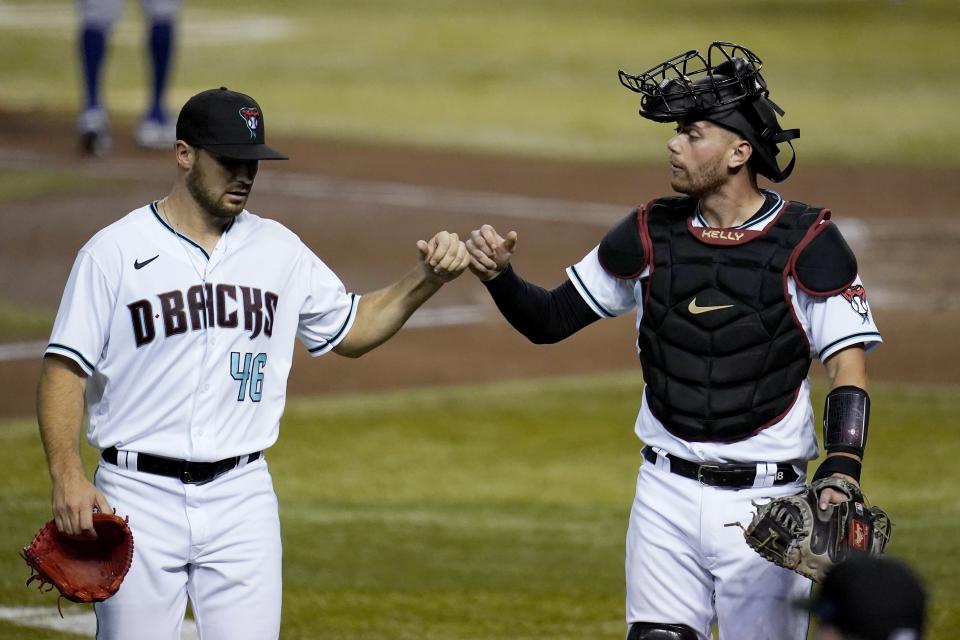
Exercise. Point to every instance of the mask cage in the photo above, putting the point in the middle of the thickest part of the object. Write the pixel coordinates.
(691, 84)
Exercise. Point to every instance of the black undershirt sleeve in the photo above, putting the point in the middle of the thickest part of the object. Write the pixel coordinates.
(544, 317)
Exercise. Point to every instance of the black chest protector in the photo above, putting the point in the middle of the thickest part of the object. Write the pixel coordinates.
(723, 354)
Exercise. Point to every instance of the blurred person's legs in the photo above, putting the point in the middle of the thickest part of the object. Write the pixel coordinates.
(156, 130)
(97, 18)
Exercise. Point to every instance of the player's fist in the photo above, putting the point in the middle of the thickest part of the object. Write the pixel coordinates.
(443, 257)
(490, 252)
(74, 499)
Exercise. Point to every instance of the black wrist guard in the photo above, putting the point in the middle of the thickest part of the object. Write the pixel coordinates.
(846, 414)
(838, 464)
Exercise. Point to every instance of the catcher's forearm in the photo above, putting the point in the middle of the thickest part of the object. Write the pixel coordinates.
(543, 317)
(846, 415)
(60, 415)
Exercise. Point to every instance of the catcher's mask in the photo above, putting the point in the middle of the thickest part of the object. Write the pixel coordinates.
(725, 88)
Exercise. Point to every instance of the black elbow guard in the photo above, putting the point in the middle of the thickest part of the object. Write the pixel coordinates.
(846, 414)
(621, 251)
(825, 265)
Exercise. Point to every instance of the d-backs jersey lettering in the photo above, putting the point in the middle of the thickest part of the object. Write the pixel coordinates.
(146, 309)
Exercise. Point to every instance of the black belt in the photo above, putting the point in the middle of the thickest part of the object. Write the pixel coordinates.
(187, 472)
(732, 476)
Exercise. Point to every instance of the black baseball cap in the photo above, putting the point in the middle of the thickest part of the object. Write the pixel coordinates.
(871, 598)
(227, 123)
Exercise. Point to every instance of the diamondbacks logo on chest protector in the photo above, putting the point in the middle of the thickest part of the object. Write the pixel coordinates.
(203, 306)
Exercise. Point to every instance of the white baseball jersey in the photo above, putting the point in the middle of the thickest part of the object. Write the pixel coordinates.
(831, 324)
(188, 354)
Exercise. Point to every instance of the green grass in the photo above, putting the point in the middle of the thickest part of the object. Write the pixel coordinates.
(18, 322)
(24, 184)
(499, 511)
(866, 81)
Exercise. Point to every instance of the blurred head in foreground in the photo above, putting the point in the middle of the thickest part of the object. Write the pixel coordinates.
(869, 598)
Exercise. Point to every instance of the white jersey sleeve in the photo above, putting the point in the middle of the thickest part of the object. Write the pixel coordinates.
(82, 327)
(837, 322)
(328, 311)
(607, 295)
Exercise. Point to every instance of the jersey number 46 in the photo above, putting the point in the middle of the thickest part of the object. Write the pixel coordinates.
(250, 375)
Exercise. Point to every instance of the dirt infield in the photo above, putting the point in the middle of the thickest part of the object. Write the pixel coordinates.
(362, 207)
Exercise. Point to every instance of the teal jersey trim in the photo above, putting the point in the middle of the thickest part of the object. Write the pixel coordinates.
(865, 334)
(156, 214)
(772, 205)
(603, 310)
(74, 352)
(343, 327)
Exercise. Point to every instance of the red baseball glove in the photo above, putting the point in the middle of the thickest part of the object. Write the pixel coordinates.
(82, 570)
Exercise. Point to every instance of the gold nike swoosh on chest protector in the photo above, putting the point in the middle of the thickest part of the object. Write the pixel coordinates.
(695, 309)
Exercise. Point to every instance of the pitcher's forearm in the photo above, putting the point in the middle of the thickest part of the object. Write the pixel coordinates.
(60, 415)
(382, 313)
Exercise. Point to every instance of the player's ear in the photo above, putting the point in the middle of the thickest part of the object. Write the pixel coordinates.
(740, 153)
(186, 155)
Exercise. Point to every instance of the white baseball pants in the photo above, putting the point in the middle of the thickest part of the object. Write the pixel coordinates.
(217, 543)
(683, 566)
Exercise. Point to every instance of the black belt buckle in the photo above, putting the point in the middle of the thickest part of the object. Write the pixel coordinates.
(729, 476)
(187, 476)
(707, 467)
(201, 472)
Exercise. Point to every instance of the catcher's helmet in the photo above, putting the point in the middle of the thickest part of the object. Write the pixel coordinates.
(726, 88)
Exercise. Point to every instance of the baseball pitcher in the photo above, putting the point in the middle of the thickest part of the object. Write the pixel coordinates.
(177, 329)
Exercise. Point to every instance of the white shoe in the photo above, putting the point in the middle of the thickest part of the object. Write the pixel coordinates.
(153, 134)
(93, 130)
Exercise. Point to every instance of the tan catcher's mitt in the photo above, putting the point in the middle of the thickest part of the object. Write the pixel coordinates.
(82, 570)
(794, 533)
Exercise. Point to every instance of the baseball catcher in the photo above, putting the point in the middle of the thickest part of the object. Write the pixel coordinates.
(81, 569)
(736, 289)
(794, 532)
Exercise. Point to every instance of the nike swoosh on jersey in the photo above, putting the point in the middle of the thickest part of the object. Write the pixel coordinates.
(695, 309)
(140, 265)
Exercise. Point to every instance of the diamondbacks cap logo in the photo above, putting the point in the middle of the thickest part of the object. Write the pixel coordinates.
(857, 297)
(251, 117)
